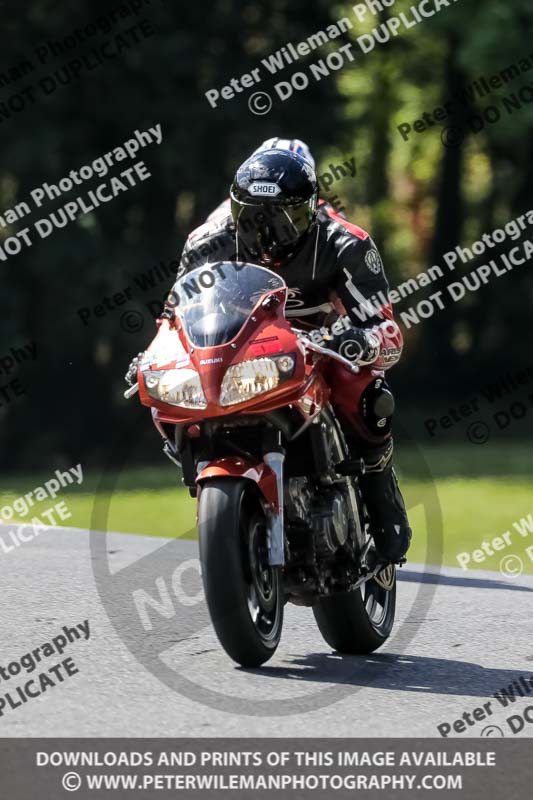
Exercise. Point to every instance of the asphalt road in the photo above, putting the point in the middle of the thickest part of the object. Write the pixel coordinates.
(460, 637)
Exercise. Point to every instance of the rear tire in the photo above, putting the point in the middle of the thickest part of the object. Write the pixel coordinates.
(358, 622)
(244, 594)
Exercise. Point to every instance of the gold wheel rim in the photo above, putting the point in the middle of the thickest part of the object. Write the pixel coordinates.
(386, 578)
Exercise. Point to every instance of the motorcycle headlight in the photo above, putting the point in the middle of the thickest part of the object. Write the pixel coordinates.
(250, 378)
(177, 387)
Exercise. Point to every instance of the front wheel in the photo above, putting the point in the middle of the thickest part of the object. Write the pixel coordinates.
(244, 593)
(359, 622)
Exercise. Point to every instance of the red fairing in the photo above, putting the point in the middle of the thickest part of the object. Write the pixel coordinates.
(390, 338)
(235, 467)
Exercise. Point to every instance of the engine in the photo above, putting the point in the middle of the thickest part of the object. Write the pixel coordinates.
(299, 501)
(330, 523)
(325, 513)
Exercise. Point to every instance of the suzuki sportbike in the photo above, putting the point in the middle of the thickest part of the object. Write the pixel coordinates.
(242, 403)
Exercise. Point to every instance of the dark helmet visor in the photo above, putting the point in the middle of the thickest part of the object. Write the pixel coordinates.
(272, 231)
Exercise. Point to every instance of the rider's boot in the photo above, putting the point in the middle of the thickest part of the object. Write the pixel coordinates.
(389, 525)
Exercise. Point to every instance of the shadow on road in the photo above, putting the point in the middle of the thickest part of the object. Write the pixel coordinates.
(456, 580)
(399, 673)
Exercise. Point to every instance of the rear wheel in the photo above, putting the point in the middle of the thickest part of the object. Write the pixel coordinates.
(361, 621)
(243, 592)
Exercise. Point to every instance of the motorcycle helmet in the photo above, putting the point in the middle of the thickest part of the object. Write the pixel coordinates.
(273, 204)
(292, 145)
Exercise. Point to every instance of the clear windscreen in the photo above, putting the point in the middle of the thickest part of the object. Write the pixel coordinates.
(215, 300)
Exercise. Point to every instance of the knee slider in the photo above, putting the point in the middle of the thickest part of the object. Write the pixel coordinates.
(378, 406)
(384, 404)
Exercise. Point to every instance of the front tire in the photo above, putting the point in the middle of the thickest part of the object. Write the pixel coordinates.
(361, 621)
(244, 594)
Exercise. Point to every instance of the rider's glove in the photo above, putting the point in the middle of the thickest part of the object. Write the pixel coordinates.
(131, 375)
(359, 345)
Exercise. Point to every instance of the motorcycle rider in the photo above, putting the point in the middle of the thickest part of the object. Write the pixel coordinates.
(334, 273)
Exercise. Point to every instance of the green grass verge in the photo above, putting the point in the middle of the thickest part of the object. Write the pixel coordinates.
(479, 491)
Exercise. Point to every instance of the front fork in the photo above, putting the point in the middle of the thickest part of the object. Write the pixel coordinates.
(276, 533)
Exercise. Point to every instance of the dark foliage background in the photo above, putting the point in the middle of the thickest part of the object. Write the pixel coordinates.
(418, 198)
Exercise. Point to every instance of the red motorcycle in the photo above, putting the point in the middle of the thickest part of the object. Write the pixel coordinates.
(242, 403)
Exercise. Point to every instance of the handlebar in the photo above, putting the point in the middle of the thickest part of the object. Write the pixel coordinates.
(131, 391)
(324, 351)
